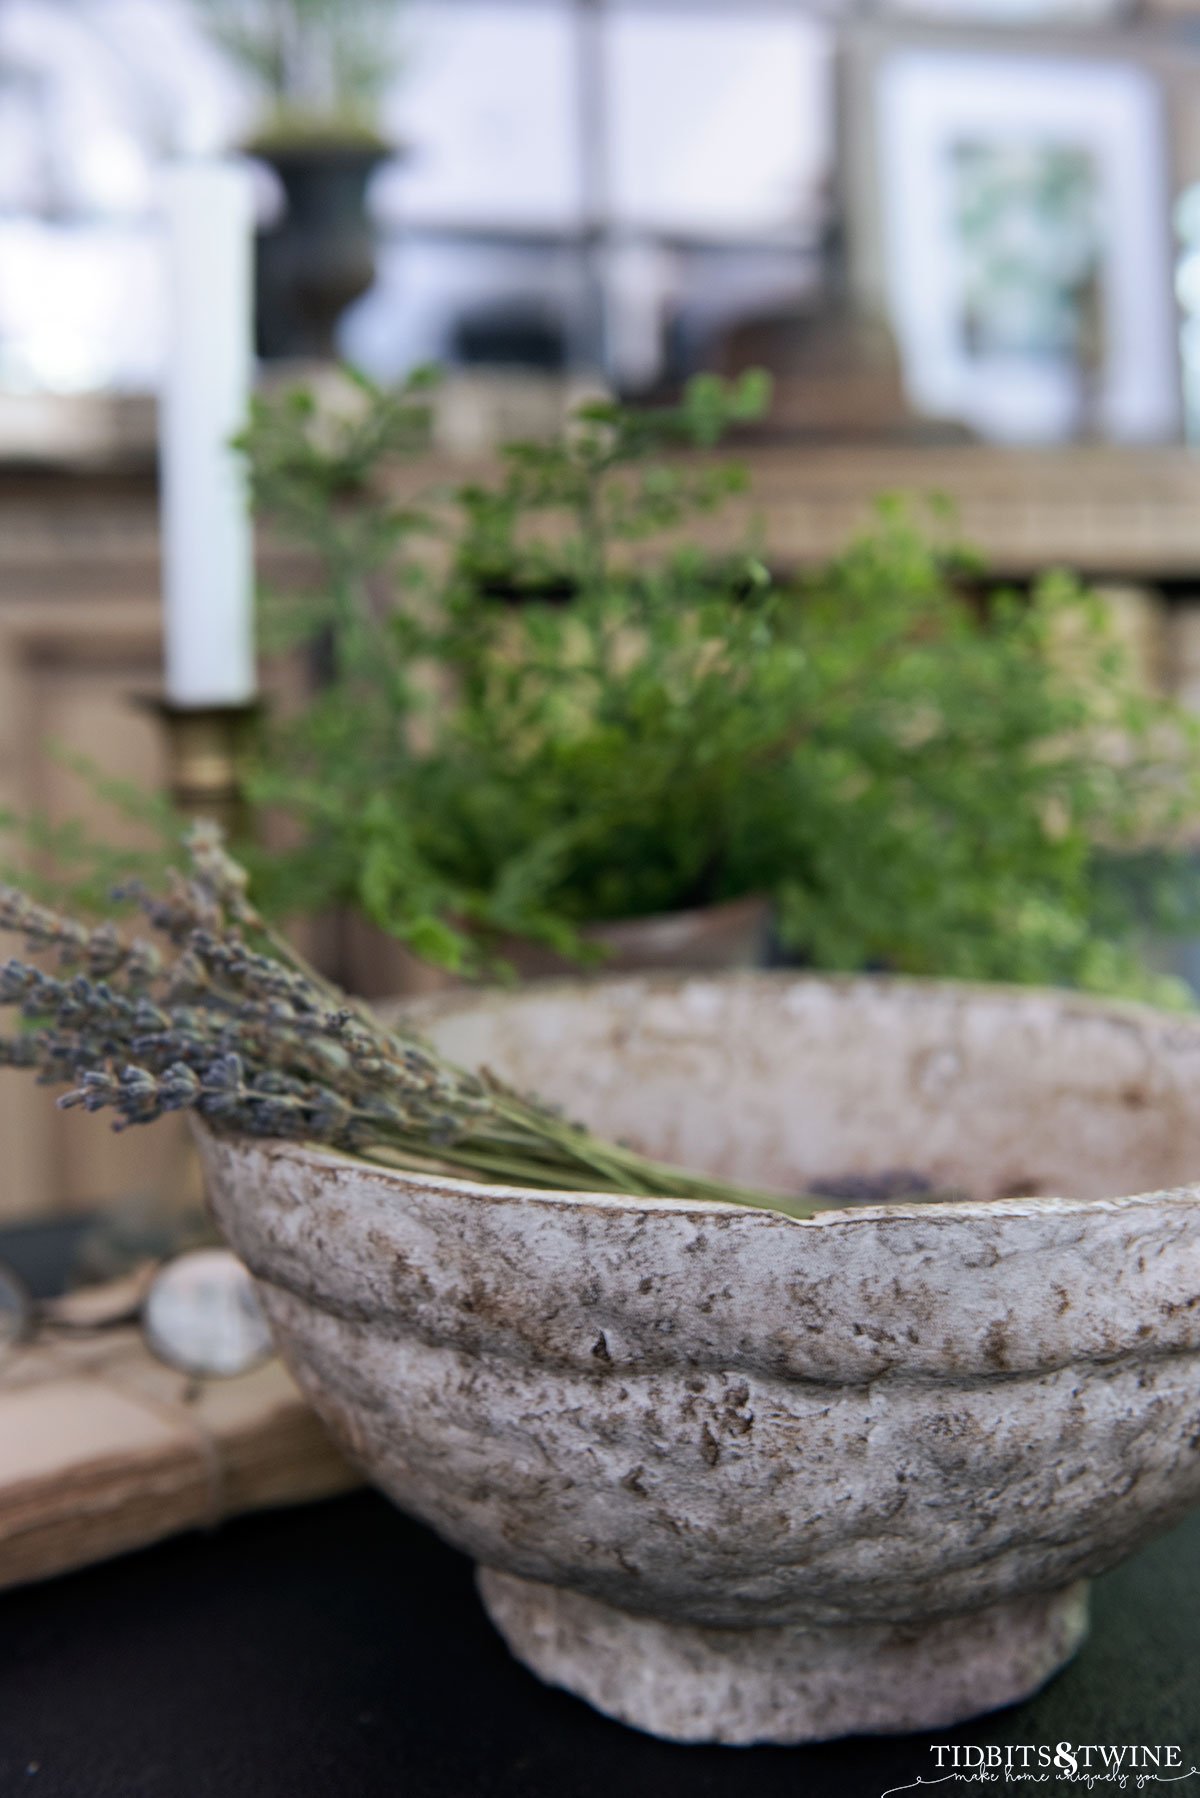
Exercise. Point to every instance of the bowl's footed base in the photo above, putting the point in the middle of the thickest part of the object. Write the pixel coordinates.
(788, 1684)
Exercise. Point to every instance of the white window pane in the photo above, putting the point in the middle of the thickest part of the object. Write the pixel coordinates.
(93, 94)
(485, 100)
(719, 126)
(80, 307)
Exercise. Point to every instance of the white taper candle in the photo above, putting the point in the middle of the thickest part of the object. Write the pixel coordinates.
(207, 553)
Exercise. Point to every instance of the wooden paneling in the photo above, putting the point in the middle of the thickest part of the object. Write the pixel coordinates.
(70, 666)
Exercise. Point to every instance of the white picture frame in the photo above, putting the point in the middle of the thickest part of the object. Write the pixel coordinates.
(1009, 14)
(932, 105)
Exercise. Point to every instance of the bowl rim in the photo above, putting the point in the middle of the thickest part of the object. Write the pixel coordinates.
(461, 999)
(1070, 1000)
(318, 1157)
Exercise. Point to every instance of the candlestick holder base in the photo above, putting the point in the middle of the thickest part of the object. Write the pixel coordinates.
(206, 750)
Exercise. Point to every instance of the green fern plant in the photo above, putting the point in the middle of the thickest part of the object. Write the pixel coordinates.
(575, 722)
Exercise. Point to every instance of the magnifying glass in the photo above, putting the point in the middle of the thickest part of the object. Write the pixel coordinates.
(202, 1315)
(199, 1313)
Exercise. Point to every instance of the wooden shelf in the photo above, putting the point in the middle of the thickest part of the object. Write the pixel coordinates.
(1127, 512)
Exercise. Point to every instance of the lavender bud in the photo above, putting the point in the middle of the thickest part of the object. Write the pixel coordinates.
(148, 1017)
(14, 981)
(225, 1074)
(143, 963)
(179, 1087)
(104, 950)
(96, 1089)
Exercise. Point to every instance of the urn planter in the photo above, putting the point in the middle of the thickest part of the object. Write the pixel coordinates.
(320, 255)
(734, 1477)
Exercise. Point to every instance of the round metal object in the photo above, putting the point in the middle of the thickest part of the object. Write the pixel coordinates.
(203, 1317)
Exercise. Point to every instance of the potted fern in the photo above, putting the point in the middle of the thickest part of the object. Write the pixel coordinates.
(552, 730)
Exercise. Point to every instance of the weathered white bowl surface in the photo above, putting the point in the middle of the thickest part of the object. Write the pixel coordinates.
(735, 1477)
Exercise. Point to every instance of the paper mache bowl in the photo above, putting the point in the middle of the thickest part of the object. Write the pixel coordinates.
(735, 1477)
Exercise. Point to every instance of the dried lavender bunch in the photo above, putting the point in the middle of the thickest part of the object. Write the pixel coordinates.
(231, 1023)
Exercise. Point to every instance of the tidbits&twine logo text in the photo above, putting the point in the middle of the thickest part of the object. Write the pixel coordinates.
(1126, 1766)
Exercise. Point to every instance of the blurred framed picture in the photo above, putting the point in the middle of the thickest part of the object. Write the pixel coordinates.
(1027, 253)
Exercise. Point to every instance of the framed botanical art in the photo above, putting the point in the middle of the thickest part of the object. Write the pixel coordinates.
(1026, 242)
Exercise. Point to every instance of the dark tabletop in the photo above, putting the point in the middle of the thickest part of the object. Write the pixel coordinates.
(339, 1651)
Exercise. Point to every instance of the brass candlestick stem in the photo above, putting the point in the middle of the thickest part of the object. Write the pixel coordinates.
(206, 750)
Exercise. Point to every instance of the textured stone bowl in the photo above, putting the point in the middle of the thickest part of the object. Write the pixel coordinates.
(735, 1477)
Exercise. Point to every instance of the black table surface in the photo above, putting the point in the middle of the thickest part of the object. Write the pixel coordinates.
(339, 1651)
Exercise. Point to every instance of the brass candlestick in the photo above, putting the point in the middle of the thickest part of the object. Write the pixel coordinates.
(206, 747)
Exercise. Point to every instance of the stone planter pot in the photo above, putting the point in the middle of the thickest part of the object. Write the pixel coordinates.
(732, 1477)
(710, 939)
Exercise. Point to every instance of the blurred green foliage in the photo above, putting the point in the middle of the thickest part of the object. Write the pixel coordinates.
(533, 716)
(322, 65)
